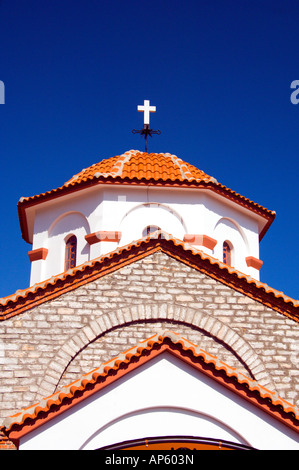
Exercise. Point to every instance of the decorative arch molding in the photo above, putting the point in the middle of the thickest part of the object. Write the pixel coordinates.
(146, 413)
(232, 222)
(160, 205)
(106, 322)
(83, 222)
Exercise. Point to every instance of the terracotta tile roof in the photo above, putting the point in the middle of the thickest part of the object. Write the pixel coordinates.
(87, 272)
(141, 165)
(34, 416)
(139, 168)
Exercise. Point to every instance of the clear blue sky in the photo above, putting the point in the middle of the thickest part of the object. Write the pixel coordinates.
(219, 72)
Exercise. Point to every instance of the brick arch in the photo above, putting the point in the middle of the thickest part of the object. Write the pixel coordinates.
(153, 312)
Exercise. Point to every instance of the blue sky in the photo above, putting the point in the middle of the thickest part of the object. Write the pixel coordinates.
(219, 72)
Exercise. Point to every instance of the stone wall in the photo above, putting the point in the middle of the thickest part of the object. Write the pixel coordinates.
(55, 343)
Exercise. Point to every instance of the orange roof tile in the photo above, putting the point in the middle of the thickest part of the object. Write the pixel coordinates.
(87, 272)
(141, 165)
(36, 415)
(139, 168)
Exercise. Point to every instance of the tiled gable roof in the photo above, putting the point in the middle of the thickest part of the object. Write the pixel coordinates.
(32, 417)
(57, 285)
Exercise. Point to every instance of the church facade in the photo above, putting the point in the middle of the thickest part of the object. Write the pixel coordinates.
(145, 296)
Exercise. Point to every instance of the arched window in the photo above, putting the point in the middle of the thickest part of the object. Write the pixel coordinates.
(150, 229)
(227, 253)
(70, 253)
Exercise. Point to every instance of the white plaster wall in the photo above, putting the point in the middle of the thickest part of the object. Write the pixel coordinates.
(67, 224)
(139, 217)
(129, 210)
(54, 223)
(164, 397)
(227, 222)
(227, 230)
(72, 223)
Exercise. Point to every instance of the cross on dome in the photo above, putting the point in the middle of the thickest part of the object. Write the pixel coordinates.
(146, 109)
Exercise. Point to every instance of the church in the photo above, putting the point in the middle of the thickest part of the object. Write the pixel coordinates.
(145, 324)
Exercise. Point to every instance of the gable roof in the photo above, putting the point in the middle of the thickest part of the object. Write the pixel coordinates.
(89, 271)
(140, 168)
(38, 414)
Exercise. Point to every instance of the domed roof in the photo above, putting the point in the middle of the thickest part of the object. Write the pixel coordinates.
(140, 168)
(143, 166)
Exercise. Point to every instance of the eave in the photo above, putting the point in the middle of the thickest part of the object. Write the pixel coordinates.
(29, 202)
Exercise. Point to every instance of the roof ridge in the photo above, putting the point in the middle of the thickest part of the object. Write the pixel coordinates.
(124, 158)
(185, 172)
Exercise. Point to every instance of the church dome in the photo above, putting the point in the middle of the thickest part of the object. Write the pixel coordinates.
(137, 168)
(143, 166)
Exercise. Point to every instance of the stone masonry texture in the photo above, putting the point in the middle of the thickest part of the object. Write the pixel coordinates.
(51, 345)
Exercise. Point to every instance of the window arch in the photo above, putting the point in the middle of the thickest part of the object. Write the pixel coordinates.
(227, 253)
(150, 229)
(70, 252)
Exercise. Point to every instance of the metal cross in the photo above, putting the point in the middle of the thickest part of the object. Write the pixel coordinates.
(146, 131)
